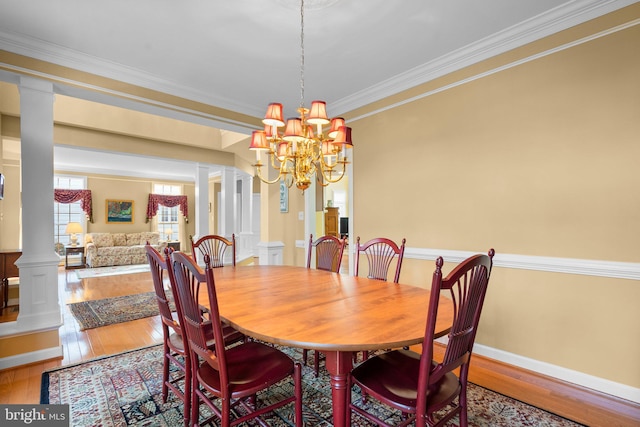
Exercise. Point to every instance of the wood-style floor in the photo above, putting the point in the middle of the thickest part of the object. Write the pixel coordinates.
(22, 384)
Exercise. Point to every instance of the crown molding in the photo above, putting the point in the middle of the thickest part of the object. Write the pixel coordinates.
(550, 22)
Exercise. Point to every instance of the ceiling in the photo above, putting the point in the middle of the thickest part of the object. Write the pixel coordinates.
(243, 54)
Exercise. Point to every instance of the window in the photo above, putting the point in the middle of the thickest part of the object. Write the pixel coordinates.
(64, 213)
(167, 217)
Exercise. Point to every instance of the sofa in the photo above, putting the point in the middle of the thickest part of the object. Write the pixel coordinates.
(108, 249)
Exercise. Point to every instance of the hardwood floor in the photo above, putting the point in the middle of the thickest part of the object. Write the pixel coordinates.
(22, 384)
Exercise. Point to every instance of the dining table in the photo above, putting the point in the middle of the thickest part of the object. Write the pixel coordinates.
(336, 314)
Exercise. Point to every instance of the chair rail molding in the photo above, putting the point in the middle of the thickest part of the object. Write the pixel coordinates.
(611, 269)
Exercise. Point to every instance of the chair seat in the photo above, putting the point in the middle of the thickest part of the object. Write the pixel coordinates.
(176, 342)
(231, 336)
(252, 367)
(393, 377)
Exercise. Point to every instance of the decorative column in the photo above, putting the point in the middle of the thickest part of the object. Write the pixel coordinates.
(202, 201)
(228, 197)
(270, 252)
(245, 245)
(39, 307)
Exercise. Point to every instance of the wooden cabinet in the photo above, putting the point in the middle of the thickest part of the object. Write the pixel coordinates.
(331, 222)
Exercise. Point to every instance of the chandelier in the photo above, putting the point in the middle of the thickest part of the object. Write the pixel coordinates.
(304, 149)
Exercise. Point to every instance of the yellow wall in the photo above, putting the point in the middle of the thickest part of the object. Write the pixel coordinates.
(537, 159)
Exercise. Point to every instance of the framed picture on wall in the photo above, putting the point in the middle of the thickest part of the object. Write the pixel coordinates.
(119, 211)
(284, 197)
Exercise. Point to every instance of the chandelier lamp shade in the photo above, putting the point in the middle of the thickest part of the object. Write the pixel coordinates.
(311, 145)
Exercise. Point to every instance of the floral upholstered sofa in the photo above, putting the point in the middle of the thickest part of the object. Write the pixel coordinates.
(107, 249)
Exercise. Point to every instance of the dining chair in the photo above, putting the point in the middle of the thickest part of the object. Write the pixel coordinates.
(414, 383)
(174, 335)
(226, 378)
(329, 250)
(380, 252)
(215, 246)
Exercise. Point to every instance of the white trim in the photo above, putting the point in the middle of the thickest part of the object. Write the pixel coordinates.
(32, 357)
(606, 386)
(551, 22)
(611, 269)
(489, 72)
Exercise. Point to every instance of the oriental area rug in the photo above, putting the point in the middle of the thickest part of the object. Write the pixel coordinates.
(125, 389)
(107, 311)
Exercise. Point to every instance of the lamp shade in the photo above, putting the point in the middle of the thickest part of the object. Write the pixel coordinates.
(318, 113)
(294, 131)
(73, 227)
(343, 136)
(259, 140)
(336, 122)
(274, 115)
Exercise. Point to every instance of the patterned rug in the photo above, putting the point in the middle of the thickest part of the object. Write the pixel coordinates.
(107, 311)
(86, 273)
(125, 389)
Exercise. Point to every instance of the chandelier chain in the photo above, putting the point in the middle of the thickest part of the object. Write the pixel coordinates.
(301, 53)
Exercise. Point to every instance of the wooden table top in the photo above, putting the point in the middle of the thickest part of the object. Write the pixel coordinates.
(315, 309)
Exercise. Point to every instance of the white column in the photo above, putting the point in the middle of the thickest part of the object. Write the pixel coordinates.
(202, 200)
(245, 244)
(228, 196)
(39, 306)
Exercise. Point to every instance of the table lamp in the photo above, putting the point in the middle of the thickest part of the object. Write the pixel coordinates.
(73, 228)
(168, 232)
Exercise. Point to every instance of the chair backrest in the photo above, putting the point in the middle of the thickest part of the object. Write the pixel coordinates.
(466, 285)
(158, 266)
(188, 276)
(380, 252)
(215, 246)
(329, 251)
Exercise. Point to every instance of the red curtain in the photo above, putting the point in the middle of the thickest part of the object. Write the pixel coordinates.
(170, 201)
(70, 196)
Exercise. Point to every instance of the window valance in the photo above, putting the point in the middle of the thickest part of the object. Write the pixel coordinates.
(170, 201)
(69, 196)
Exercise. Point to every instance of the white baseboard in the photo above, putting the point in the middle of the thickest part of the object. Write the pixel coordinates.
(605, 386)
(34, 356)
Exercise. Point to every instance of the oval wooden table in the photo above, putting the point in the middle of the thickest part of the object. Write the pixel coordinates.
(335, 314)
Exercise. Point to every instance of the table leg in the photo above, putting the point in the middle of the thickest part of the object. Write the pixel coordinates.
(339, 364)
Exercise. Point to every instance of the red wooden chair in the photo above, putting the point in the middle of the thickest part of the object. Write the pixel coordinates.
(414, 383)
(380, 252)
(329, 252)
(215, 246)
(232, 376)
(174, 335)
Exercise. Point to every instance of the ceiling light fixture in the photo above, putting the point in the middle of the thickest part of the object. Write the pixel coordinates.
(302, 152)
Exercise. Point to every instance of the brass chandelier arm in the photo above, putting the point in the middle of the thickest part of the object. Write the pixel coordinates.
(258, 167)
